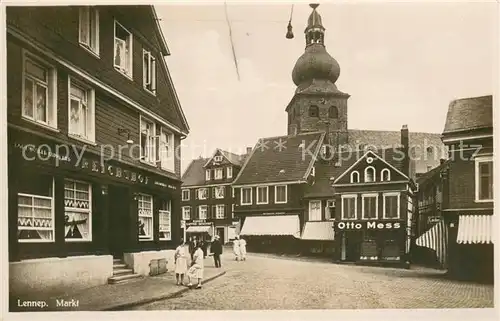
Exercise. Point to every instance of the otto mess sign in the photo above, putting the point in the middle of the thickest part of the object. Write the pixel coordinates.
(369, 225)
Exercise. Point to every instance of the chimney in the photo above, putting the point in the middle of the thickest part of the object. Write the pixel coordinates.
(405, 142)
(249, 150)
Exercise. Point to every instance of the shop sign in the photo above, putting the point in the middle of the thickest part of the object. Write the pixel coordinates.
(69, 157)
(369, 225)
(433, 219)
(199, 223)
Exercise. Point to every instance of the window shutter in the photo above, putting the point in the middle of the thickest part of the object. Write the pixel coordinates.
(153, 74)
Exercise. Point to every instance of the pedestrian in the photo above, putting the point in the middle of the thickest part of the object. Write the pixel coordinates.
(243, 249)
(236, 248)
(192, 246)
(204, 247)
(197, 266)
(217, 251)
(180, 262)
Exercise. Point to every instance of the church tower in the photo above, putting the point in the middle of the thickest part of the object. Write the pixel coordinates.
(317, 104)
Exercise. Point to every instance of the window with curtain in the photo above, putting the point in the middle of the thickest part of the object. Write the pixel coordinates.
(370, 204)
(314, 210)
(349, 207)
(145, 221)
(77, 211)
(165, 215)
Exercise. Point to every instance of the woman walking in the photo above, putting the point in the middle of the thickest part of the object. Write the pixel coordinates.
(197, 267)
(181, 263)
(236, 248)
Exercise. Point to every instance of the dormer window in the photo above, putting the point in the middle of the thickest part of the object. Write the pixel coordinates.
(218, 173)
(369, 174)
(355, 177)
(207, 174)
(313, 111)
(218, 158)
(385, 175)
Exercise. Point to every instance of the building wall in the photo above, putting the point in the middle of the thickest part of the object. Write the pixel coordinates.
(295, 194)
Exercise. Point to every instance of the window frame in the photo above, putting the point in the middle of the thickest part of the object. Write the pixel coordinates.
(358, 176)
(349, 196)
(52, 204)
(267, 195)
(167, 163)
(276, 194)
(184, 217)
(188, 194)
(217, 207)
(385, 170)
(127, 73)
(477, 178)
(208, 175)
(218, 170)
(369, 195)
(72, 209)
(147, 237)
(315, 108)
(205, 207)
(169, 212)
(223, 188)
(88, 46)
(152, 160)
(328, 207)
(391, 194)
(242, 193)
(90, 92)
(374, 174)
(309, 217)
(151, 72)
(201, 189)
(229, 172)
(51, 91)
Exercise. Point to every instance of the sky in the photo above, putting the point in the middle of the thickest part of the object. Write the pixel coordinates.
(402, 63)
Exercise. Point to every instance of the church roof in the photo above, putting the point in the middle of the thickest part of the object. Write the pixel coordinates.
(469, 113)
(280, 159)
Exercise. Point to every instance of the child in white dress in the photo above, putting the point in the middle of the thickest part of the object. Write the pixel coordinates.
(180, 262)
(236, 248)
(197, 267)
(243, 249)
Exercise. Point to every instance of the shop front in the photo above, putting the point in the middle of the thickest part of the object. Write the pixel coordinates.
(201, 231)
(71, 212)
(381, 242)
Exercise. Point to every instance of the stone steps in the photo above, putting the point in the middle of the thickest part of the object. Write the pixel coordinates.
(123, 278)
(121, 273)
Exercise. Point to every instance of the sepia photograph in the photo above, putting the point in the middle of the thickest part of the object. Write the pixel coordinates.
(210, 156)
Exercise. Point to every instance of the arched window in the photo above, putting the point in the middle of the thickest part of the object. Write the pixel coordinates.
(333, 112)
(355, 177)
(385, 175)
(313, 111)
(369, 174)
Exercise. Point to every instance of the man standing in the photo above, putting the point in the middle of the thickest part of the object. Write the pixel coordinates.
(217, 251)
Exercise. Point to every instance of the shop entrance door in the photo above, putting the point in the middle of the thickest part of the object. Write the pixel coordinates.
(353, 245)
(119, 220)
(220, 233)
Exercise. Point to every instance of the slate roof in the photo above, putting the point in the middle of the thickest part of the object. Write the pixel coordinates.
(469, 113)
(195, 173)
(431, 175)
(279, 159)
(234, 158)
(383, 139)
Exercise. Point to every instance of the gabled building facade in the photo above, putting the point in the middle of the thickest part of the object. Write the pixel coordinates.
(94, 129)
(312, 161)
(468, 190)
(207, 197)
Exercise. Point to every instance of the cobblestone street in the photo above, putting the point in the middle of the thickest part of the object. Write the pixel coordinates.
(266, 282)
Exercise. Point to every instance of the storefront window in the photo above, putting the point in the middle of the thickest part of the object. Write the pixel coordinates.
(77, 211)
(145, 222)
(370, 206)
(390, 250)
(35, 208)
(165, 220)
(369, 248)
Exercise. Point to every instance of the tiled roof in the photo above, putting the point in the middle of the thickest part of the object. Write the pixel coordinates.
(427, 177)
(279, 159)
(469, 113)
(195, 173)
(234, 158)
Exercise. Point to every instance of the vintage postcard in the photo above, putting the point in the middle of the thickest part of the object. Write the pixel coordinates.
(249, 156)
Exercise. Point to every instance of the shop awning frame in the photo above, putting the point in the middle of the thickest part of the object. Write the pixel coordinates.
(271, 225)
(318, 231)
(436, 238)
(475, 229)
(199, 229)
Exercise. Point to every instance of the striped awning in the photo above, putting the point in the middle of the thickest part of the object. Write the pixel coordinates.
(475, 229)
(436, 238)
(199, 229)
(271, 225)
(318, 231)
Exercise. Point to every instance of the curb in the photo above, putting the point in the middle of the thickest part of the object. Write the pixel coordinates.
(124, 306)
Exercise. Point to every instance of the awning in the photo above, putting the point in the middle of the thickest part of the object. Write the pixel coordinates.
(436, 238)
(319, 231)
(475, 229)
(271, 225)
(199, 229)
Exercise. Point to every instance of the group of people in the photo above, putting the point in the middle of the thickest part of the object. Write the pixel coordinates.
(189, 260)
(240, 249)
